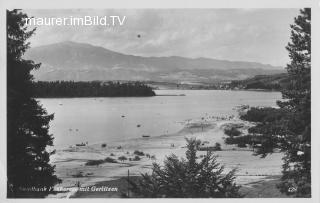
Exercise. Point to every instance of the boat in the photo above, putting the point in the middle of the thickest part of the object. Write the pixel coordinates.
(145, 135)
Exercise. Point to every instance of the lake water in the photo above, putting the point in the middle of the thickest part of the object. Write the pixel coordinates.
(111, 119)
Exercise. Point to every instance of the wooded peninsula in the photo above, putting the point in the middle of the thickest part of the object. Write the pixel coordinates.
(67, 89)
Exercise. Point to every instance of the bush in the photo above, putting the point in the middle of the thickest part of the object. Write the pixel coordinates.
(94, 162)
(247, 139)
(217, 146)
(139, 153)
(79, 174)
(136, 158)
(110, 160)
(187, 178)
(103, 145)
(232, 132)
(112, 154)
(242, 145)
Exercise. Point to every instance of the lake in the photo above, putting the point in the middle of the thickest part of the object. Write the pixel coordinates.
(95, 120)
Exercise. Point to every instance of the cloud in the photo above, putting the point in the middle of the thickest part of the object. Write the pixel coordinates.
(233, 34)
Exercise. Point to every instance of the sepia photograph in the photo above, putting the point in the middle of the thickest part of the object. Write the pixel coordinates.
(158, 103)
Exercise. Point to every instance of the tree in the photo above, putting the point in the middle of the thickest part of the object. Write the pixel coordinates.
(297, 162)
(187, 178)
(289, 127)
(122, 158)
(27, 122)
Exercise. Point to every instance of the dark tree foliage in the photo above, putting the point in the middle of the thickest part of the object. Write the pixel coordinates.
(27, 122)
(241, 140)
(289, 127)
(261, 85)
(187, 178)
(264, 115)
(232, 132)
(90, 89)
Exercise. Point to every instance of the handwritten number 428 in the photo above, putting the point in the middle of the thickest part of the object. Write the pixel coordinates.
(292, 189)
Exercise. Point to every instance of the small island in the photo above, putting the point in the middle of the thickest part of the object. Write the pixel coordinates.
(69, 89)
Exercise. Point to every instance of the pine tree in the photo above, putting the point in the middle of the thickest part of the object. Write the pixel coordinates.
(187, 178)
(297, 161)
(27, 122)
(289, 127)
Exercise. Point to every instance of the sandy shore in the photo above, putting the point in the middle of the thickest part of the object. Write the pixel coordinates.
(71, 168)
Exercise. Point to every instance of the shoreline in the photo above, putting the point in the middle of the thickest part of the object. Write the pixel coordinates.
(72, 169)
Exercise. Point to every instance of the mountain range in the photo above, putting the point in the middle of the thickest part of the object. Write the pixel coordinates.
(85, 62)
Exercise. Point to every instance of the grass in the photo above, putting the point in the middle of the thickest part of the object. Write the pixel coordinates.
(79, 174)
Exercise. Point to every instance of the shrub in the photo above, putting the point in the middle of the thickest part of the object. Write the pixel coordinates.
(94, 162)
(79, 174)
(110, 160)
(136, 158)
(187, 178)
(112, 154)
(217, 146)
(139, 153)
(266, 114)
(103, 145)
(232, 132)
(242, 145)
(239, 140)
(122, 158)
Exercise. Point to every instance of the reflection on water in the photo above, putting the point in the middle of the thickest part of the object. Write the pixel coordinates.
(92, 120)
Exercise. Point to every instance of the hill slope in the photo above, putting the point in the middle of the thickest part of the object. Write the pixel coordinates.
(84, 62)
(267, 82)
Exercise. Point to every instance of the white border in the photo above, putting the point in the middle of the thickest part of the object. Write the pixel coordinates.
(99, 4)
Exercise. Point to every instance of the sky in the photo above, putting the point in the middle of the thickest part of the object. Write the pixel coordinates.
(256, 35)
